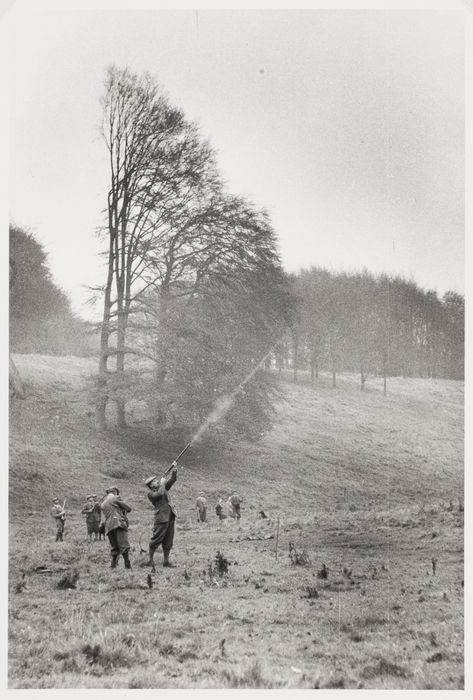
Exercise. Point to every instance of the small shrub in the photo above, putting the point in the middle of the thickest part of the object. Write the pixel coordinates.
(356, 637)
(221, 564)
(438, 656)
(108, 659)
(298, 557)
(385, 668)
(69, 580)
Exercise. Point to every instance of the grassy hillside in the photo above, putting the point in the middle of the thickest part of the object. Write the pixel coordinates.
(369, 485)
(328, 447)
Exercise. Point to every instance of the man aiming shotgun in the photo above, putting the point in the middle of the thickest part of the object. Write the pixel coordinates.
(164, 513)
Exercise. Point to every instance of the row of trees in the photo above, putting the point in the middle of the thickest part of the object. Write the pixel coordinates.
(374, 325)
(194, 283)
(194, 294)
(40, 319)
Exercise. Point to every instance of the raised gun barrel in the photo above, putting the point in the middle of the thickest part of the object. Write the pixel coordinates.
(174, 464)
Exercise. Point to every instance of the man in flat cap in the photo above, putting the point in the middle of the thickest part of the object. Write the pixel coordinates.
(164, 516)
(58, 513)
(93, 515)
(116, 526)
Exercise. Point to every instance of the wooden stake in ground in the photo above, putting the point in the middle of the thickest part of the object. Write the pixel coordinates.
(277, 539)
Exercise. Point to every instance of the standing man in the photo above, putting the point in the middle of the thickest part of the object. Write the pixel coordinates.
(164, 516)
(58, 514)
(235, 500)
(116, 526)
(201, 505)
(219, 510)
(93, 514)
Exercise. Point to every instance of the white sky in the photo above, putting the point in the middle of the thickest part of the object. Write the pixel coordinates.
(346, 125)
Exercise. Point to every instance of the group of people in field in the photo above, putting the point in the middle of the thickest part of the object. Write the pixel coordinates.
(228, 509)
(109, 516)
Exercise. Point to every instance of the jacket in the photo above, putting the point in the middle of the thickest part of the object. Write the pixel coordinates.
(161, 501)
(58, 511)
(93, 513)
(114, 510)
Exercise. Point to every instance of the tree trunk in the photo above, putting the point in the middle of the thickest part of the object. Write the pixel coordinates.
(102, 393)
(334, 377)
(120, 400)
(362, 379)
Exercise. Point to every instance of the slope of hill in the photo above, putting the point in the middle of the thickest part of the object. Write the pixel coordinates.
(327, 448)
(354, 580)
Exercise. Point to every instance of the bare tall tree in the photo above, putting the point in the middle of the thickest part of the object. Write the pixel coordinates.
(171, 226)
(158, 169)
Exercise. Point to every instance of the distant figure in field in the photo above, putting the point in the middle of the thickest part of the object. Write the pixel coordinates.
(201, 506)
(58, 513)
(235, 500)
(93, 516)
(116, 526)
(164, 516)
(228, 508)
(219, 510)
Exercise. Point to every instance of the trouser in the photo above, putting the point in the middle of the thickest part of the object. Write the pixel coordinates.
(236, 509)
(119, 544)
(59, 529)
(163, 534)
(202, 515)
(93, 528)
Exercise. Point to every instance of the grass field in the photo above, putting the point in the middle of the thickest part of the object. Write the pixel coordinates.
(367, 486)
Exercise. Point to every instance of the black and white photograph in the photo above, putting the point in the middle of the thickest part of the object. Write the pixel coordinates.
(236, 345)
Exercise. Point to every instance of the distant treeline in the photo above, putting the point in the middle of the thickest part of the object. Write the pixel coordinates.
(41, 319)
(381, 325)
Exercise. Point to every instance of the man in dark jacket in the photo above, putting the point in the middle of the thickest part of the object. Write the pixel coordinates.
(164, 516)
(93, 515)
(116, 526)
(58, 513)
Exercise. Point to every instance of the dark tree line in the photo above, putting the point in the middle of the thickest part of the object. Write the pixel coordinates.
(374, 325)
(40, 318)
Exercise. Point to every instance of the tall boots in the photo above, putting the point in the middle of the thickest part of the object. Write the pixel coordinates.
(126, 559)
(150, 561)
(166, 561)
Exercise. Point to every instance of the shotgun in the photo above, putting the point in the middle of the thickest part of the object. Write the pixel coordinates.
(174, 464)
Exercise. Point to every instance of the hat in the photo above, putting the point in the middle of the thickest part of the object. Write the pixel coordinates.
(55, 500)
(91, 495)
(150, 479)
(113, 488)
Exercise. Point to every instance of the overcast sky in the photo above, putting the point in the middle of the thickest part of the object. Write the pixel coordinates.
(346, 125)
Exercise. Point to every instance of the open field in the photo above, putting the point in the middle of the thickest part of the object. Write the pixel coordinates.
(369, 486)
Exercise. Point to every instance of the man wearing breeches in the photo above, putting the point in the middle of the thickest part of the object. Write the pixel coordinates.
(164, 516)
(116, 526)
